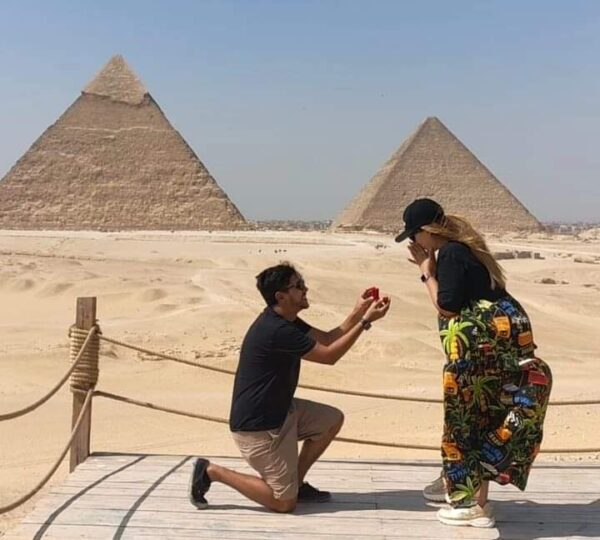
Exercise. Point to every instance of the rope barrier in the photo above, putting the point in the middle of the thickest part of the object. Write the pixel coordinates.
(167, 356)
(368, 442)
(75, 359)
(84, 353)
(394, 397)
(131, 401)
(42, 483)
(232, 372)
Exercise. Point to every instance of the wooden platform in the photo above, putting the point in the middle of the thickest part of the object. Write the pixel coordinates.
(139, 496)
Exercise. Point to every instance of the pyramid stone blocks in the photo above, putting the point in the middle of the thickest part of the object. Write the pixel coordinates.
(433, 163)
(113, 161)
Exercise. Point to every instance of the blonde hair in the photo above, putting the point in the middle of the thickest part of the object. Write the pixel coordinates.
(460, 230)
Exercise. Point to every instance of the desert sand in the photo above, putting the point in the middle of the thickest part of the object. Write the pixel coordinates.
(193, 295)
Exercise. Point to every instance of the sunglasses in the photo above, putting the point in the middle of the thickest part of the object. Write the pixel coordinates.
(300, 285)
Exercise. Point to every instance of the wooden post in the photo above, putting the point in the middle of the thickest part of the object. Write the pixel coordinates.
(80, 448)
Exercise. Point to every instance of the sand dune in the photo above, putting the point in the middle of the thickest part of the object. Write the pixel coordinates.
(54, 289)
(193, 295)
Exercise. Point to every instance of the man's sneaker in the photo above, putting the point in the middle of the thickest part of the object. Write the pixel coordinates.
(436, 491)
(199, 483)
(472, 516)
(308, 493)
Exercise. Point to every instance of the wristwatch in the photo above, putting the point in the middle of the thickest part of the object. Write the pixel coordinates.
(425, 277)
(365, 324)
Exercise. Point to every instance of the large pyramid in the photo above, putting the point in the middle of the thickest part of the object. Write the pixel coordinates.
(113, 161)
(433, 163)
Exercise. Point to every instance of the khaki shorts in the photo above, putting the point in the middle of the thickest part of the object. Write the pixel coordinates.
(274, 453)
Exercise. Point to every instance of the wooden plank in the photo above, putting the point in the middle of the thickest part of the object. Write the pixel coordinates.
(509, 531)
(349, 513)
(150, 461)
(98, 532)
(169, 490)
(417, 479)
(129, 496)
(338, 515)
(107, 457)
(350, 500)
(283, 527)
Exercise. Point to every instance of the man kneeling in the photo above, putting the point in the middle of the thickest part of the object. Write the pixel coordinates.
(266, 420)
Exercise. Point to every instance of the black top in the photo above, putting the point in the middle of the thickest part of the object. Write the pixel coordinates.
(268, 371)
(462, 278)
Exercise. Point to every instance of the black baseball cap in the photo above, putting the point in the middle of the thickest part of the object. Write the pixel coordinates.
(417, 214)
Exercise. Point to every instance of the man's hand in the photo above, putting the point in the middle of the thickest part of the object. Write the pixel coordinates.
(364, 302)
(378, 309)
(331, 352)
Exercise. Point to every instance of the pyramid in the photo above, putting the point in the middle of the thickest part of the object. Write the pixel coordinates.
(433, 163)
(113, 161)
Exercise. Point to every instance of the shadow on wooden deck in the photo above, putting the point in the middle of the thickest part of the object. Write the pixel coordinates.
(120, 496)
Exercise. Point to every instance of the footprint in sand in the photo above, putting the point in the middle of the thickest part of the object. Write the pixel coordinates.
(151, 295)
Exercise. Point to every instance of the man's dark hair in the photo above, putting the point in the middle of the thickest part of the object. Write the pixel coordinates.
(273, 279)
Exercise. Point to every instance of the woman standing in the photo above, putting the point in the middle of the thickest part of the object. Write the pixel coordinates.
(496, 390)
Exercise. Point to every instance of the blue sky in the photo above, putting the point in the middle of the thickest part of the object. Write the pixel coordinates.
(294, 105)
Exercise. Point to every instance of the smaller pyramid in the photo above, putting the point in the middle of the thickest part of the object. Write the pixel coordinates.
(434, 163)
(113, 161)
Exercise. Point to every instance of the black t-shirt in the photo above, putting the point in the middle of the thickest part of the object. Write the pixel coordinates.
(462, 278)
(268, 371)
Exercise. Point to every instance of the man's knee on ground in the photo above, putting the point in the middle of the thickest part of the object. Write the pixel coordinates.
(285, 506)
(339, 423)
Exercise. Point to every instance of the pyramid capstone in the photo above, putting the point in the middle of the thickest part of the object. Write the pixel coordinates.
(118, 82)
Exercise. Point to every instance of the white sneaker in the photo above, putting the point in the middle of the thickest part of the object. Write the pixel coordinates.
(473, 516)
(436, 491)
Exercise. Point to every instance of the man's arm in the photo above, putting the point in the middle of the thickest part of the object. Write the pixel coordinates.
(331, 353)
(327, 338)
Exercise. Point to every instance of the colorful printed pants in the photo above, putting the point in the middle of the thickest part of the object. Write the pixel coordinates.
(495, 397)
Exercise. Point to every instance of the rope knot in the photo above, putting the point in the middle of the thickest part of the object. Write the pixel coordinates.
(85, 374)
